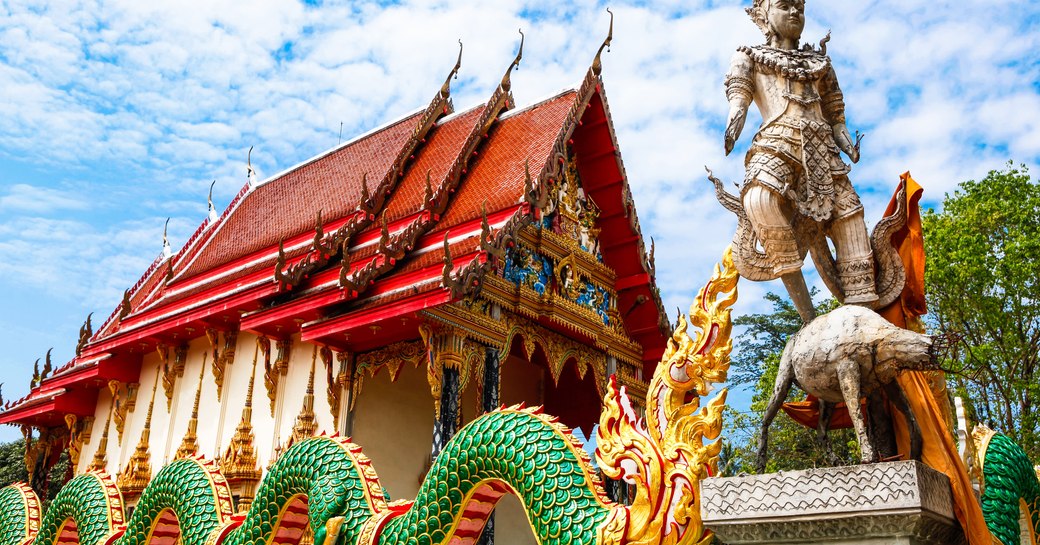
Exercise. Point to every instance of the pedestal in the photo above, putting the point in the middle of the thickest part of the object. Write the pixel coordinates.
(894, 503)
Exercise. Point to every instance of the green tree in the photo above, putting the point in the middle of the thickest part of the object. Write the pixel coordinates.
(983, 286)
(755, 362)
(12, 468)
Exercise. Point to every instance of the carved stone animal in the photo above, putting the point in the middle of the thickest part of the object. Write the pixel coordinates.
(845, 355)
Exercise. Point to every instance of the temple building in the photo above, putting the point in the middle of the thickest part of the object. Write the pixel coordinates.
(390, 289)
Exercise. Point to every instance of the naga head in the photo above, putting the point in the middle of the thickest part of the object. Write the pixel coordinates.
(665, 455)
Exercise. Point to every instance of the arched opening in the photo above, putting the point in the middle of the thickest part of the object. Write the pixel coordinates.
(574, 398)
(293, 523)
(166, 530)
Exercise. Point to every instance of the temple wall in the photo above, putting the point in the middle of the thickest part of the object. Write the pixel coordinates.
(393, 423)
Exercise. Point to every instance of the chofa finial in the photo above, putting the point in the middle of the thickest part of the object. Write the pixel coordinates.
(250, 171)
(446, 88)
(506, 84)
(212, 209)
(597, 64)
(167, 251)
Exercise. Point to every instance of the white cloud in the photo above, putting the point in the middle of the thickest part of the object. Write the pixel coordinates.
(27, 198)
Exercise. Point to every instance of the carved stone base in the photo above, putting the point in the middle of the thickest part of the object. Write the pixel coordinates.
(895, 503)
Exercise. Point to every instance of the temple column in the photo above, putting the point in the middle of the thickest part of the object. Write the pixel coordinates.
(445, 360)
(446, 422)
(490, 400)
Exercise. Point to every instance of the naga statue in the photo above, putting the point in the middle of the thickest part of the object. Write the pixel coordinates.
(514, 450)
(796, 191)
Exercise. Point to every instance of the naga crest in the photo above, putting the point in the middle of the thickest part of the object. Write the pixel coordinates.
(665, 455)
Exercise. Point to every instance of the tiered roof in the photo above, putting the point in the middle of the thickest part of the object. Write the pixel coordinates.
(408, 217)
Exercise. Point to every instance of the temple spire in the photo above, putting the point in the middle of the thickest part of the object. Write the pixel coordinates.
(239, 464)
(100, 461)
(190, 443)
(306, 424)
(138, 470)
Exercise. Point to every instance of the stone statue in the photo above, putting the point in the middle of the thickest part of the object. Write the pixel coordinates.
(843, 356)
(796, 191)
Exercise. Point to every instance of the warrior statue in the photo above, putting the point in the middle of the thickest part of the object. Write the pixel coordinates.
(796, 191)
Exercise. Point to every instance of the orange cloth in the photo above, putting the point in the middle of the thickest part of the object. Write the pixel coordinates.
(925, 394)
(807, 413)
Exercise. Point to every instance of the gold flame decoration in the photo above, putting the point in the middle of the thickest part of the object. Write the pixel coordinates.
(665, 456)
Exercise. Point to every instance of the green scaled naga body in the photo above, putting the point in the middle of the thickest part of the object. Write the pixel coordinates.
(1011, 488)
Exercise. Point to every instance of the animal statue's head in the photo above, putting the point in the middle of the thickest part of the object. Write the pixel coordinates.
(664, 455)
(904, 349)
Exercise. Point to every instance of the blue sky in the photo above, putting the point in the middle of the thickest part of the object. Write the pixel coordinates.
(116, 115)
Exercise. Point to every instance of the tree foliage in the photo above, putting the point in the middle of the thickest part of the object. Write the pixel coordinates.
(755, 363)
(12, 468)
(983, 285)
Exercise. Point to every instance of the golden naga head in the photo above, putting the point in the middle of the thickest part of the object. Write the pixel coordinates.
(664, 454)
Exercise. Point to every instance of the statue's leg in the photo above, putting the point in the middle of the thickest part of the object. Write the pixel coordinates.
(880, 425)
(822, 426)
(764, 208)
(784, 379)
(849, 380)
(899, 401)
(855, 258)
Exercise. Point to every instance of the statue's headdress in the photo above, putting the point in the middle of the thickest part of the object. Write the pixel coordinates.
(757, 11)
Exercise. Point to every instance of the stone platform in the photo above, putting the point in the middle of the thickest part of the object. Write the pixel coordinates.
(894, 503)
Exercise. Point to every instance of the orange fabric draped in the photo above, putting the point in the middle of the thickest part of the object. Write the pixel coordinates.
(926, 391)
(807, 413)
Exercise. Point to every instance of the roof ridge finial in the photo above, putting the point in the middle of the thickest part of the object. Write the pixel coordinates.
(167, 251)
(506, 84)
(597, 64)
(212, 209)
(250, 171)
(446, 88)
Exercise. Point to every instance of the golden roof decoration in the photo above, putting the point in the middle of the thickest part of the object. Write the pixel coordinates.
(239, 464)
(100, 461)
(190, 443)
(138, 471)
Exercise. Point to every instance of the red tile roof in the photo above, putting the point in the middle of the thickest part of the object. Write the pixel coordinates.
(497, 176)
(287, 205)
(435, 157)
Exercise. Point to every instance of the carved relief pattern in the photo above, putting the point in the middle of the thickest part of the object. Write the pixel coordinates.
(332, 390)
(124, 399)
(391, 357)
(227, 357)
(525, 267)
(557, 348)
